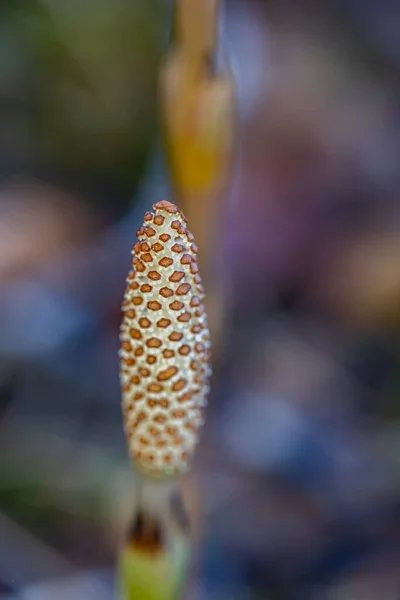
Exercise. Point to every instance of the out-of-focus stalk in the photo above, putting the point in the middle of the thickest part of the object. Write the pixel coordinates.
(155, 559)
(197, 106)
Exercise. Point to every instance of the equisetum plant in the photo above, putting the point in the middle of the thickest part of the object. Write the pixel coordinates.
(164, 371)
(197, 109)
(197, 105)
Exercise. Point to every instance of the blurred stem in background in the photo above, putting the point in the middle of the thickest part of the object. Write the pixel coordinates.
(155, 559)
(197, 110)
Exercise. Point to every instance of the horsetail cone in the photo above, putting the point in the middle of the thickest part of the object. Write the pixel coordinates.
(165, 346)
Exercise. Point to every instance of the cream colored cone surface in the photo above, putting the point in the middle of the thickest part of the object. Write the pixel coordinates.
(165, 346)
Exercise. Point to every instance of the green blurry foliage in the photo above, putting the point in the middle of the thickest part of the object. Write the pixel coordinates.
(82, 92)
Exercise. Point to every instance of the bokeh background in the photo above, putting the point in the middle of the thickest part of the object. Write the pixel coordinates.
(298, 474)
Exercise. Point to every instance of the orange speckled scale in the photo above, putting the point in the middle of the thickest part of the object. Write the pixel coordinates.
(165, 346)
